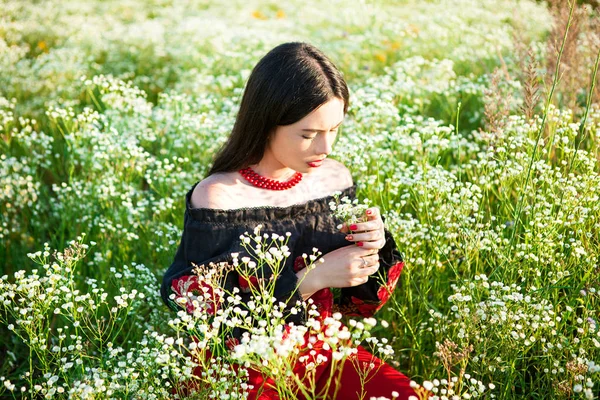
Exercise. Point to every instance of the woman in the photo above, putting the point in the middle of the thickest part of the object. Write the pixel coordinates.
(274, 171)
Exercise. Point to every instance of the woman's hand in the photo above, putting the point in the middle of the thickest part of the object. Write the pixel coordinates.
(344, 267)
(370, 234)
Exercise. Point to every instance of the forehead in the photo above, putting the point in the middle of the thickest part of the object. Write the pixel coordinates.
(329, 113)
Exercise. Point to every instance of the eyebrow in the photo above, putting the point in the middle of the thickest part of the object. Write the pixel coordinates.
(320, 130)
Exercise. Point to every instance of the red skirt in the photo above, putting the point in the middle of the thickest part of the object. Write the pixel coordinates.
(378, 378)
(362, 376)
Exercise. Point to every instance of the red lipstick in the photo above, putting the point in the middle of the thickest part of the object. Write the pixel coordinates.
(315, 164)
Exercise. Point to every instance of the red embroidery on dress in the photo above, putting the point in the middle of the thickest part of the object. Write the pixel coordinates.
(231, 343)
(190, 288)
(299, 264)
(246, 284)
(364, 307)
(367, 308)
(323, 299)
(385, 291)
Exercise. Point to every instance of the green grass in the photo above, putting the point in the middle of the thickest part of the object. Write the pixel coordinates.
(499, 229)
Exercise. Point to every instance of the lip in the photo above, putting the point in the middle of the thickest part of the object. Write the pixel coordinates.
(315, 163)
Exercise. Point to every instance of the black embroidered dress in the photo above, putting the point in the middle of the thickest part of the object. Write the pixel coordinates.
(211, 235)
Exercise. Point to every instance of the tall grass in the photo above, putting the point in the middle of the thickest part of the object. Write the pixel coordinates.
(492, 196)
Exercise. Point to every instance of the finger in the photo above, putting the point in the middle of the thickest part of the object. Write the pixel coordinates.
(369, 260)
(373, 245)
(370, 236)
(361, 264)
(366, 226)
(365, 272)
(357, 251)
(359, 280)
(374, 257)
(344, 228)
(372, 213)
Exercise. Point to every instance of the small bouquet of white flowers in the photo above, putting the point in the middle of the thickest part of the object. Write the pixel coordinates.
(349, 211)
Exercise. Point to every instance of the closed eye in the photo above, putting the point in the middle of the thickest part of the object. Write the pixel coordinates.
(334, 131)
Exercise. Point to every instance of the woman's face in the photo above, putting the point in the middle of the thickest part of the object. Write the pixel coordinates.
(308, 140)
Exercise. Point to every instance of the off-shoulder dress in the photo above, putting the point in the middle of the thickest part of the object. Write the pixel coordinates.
(212, 235)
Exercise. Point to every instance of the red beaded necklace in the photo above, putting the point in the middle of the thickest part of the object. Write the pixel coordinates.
(267, 183)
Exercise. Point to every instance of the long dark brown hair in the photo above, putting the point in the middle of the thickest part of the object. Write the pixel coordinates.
(287, 84)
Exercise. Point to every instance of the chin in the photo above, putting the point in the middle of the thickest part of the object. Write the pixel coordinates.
(307, 170)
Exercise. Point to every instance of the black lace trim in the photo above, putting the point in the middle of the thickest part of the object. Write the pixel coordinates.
(264, 213)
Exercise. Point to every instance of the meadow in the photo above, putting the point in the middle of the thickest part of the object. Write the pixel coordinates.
(473, 125)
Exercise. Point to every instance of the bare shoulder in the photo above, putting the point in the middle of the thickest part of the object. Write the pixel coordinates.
(337, 177)
(211, 193)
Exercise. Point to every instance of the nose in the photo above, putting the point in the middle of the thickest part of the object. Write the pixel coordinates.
(325, 145)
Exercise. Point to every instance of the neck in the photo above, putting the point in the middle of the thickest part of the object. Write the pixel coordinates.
(272, 169)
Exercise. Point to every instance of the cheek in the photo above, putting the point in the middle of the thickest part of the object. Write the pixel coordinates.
(294, 146)
(304, 145)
